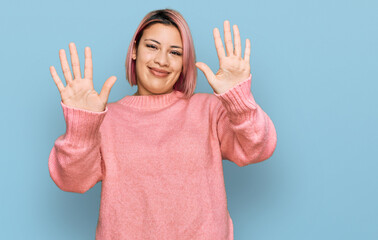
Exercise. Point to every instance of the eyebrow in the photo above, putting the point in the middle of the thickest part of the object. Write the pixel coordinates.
(172, 46)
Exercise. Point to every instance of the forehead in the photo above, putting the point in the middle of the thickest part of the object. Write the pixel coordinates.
(165, 34)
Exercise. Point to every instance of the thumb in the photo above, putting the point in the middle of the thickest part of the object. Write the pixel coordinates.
(105, 91)
(206, 70)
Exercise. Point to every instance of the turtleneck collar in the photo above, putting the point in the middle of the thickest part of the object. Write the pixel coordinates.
(152, 101)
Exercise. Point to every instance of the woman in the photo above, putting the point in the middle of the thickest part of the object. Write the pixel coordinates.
(159, 152)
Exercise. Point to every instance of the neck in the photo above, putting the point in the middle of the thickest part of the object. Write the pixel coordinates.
(152, 101)
(138, 94)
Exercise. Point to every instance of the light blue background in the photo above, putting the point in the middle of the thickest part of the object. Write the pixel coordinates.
(314, 67)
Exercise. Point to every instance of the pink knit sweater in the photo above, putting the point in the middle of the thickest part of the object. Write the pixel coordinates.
(159, 158)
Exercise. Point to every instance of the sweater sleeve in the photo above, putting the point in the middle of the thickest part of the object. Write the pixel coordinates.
(246, 133)
(75, 161)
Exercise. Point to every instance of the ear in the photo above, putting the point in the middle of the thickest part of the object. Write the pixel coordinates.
(134, 51)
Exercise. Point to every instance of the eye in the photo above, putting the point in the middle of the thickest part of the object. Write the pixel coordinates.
(176, 53)
(151, 46)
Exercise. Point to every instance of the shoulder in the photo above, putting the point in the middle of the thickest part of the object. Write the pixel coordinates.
(205, 98)
(111, 105)
(114, 111)
(207, 102)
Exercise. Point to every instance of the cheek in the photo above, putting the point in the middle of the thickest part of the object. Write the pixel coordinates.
(141, 61)
(178, 66)
(143, 58)
(144, 55)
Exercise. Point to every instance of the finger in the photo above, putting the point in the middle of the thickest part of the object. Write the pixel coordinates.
(206, 70)
(56, 78)
(75, 61)
(237, 50)
(105, 91)
(88, 67)
(247, 51)
(65, 67)
(228, 38)
(218, 43)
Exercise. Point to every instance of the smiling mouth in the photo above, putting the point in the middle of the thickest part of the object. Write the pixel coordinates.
(158, 73)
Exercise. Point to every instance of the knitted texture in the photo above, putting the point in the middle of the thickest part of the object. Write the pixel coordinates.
(159, 158)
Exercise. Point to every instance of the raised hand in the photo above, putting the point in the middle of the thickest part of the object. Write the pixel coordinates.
(79, 92)
(232, 68)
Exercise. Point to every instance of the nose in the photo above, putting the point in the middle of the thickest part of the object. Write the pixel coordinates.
(161, 58)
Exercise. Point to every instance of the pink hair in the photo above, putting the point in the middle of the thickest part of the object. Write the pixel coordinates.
(188, 77)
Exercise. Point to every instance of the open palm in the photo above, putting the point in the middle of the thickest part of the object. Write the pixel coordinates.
(232, 67)
(79, 92)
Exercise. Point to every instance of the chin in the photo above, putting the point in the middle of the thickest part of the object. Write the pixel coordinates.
(160, 87)
(157, 90)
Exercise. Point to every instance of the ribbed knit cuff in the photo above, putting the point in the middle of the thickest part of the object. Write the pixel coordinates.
(82, 126)
(239, 100)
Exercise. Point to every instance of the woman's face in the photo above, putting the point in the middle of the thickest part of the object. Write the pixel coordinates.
(158, 59)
